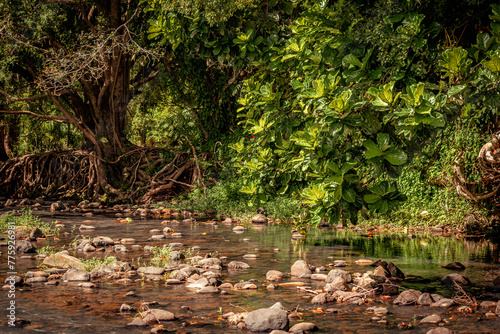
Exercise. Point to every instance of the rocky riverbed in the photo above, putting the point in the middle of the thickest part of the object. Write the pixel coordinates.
(140, 270)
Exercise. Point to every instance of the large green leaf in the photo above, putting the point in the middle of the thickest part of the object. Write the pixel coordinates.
(395, 156)
(371, 198)
(493, 64)
(372, 149)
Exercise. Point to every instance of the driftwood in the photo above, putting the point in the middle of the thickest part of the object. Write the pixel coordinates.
(489, 167)
(141, 174)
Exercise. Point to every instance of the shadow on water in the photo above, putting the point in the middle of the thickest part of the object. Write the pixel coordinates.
(68, 308)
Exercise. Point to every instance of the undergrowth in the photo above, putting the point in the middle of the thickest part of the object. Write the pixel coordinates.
(27, 221)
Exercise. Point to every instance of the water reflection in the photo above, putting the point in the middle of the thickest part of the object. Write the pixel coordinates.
(68, 308)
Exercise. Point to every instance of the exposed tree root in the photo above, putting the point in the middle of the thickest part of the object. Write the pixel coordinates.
(142, 174)
(489, 167)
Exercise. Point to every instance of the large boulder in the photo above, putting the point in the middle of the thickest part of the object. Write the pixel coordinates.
(62, 260)
(259, 219)
(24, 246)
(334, 273)
(267, 319)
(408, 297)
(455, 278)
(300, 269)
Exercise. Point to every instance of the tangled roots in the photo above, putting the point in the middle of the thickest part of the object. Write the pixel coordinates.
(489, 167)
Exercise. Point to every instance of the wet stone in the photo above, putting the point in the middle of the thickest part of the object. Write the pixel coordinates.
(38, 279)
(125, 308)
(339, 263)
(338, 273)
(76, 275)
(158, 314)
(127, 241)
(137, 322)
(274, 275)
(237, 265)
(454, 266)
(443, 303)
(303, 327)
(300, 269)
(431, 319)
(439, 330)
(408, 297)
(457, 278)
(239, 228)
(487, 304)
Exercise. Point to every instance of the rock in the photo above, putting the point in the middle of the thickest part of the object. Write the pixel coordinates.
(15, 280)
(137, 322)
(24, 246)
(237, 265)
(496, 281)
(151, 270)
(183, 273)
(127, 241)
(454, 266)
(339, 263)
(76, 275)
(443, 303)
(250, 256)
(380, 310)
(56, 206)
(439, 330)
(266, 319)
(238, 228)
(168, 230)
(459, 279)
(157, 237)
(226, 286)
(274, 275)
(87, 285)
(36, 233)
(408, 297)
(176, 256)
(259, 219)
(158, 314)
(319, 277)
(89, 248)
(208, 289)
(120, 248)
(323, 298)
(487, 304)
(303, 327)
(426, 299)
(368, 281)
(86, 227)
(62, 260)
(431, 319)
(245, 286)
(338, 273)
(279, 331)
(36, 279)
(497, 310)
(300, 269)
(395, 271)
(338, 284)
(381, 271)
(208, 262)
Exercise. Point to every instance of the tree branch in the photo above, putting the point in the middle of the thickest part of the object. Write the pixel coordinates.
(54, 118)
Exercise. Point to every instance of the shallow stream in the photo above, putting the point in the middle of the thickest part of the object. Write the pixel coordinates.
(67, 308)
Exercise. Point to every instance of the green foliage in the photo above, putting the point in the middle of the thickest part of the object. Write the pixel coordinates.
(325, 126)
(27, 221)
(95, 263)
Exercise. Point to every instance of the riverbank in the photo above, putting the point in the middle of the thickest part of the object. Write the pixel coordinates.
(197, 275)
